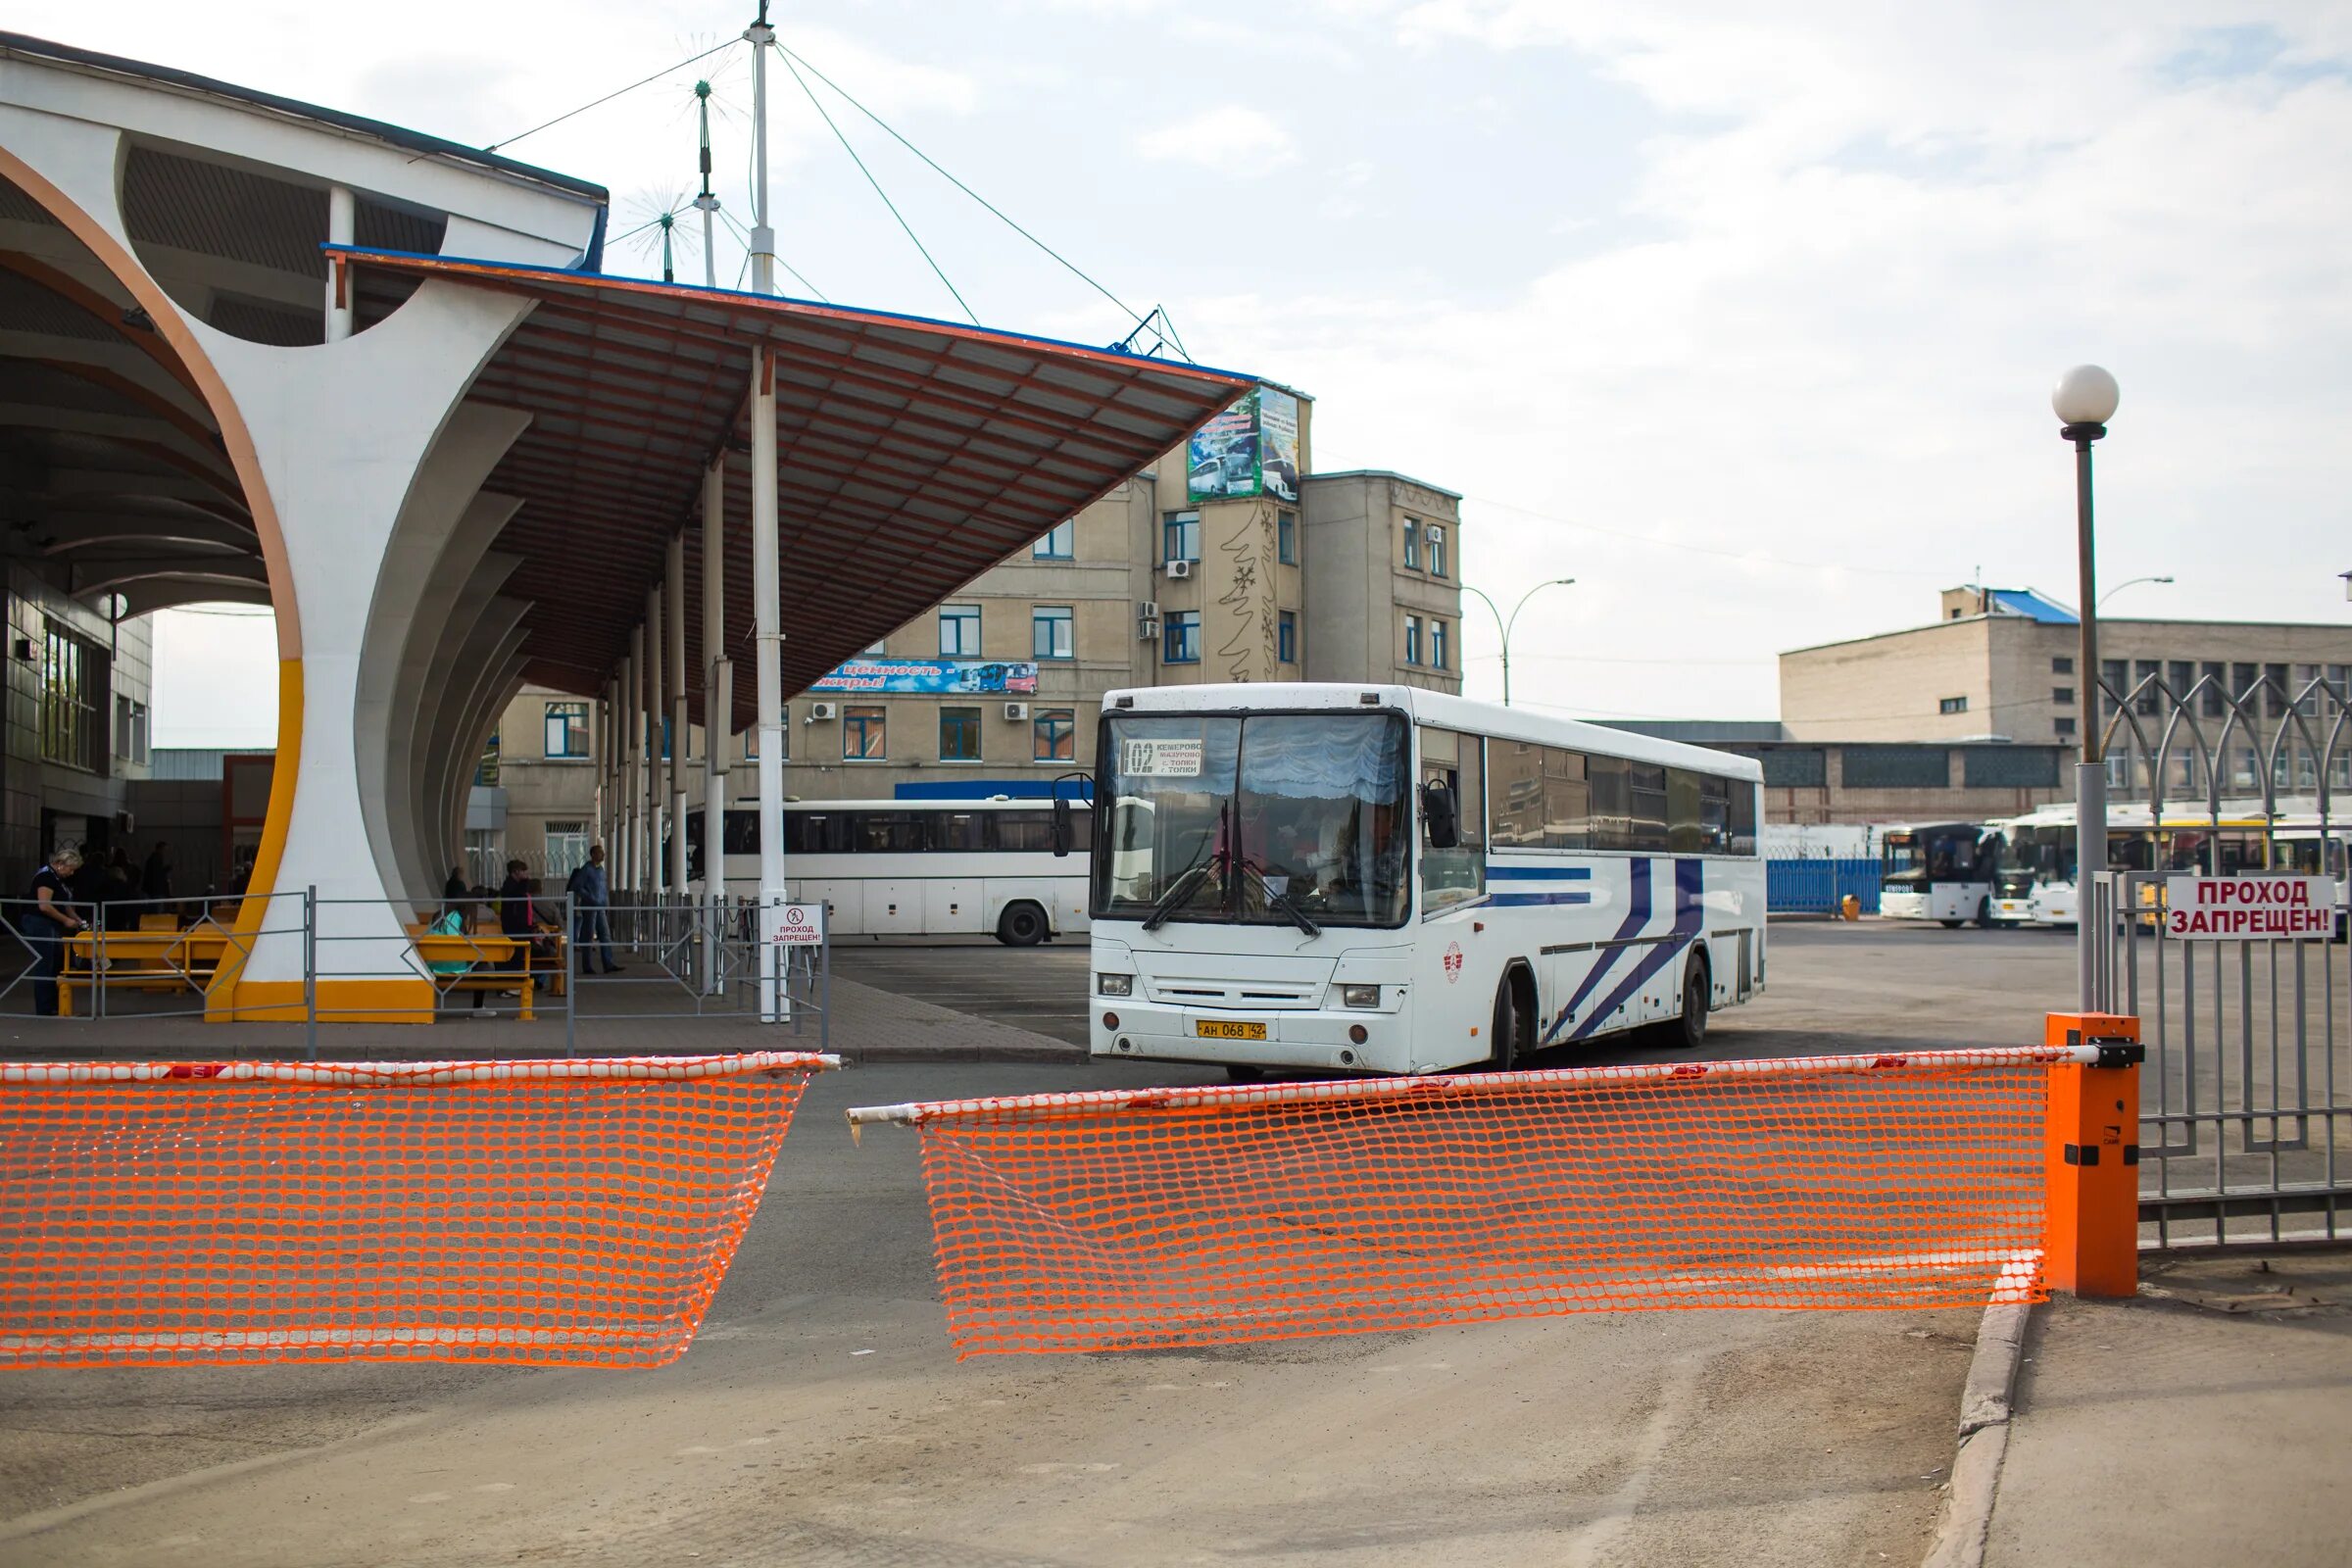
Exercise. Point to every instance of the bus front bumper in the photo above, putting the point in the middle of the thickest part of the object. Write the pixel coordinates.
(1297, 1040)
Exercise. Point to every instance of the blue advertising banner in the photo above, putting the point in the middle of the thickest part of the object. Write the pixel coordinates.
(935, 678)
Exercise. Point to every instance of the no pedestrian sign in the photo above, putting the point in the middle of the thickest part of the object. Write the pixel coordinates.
(2249, 909)
(798, 925)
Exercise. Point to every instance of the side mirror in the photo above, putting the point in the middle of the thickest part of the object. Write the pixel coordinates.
(1437, 811)
(1063, 826)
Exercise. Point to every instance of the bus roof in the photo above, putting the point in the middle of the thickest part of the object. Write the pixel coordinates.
(1435, 708)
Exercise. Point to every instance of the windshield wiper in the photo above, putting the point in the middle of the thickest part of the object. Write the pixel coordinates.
(1178, 891)
(1281, 904)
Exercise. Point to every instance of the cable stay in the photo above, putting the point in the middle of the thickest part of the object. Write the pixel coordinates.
(618, 92)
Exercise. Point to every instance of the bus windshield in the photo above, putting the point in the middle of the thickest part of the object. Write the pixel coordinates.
(1932, 855)
(1291, 818)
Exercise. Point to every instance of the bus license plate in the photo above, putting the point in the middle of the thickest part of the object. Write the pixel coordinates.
(1210, 1029)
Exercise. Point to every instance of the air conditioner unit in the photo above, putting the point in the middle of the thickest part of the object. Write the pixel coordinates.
(1148, 610)
(1016, 709)
(1178, 570)
(824, 710)
(1146, 631)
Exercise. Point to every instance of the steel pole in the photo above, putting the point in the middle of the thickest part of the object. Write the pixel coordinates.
(718, 727)
(764, 235)
(768, 635)
(2090, 773)
(674, 580)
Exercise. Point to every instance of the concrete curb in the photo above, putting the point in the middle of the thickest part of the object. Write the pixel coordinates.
(1984, 1411)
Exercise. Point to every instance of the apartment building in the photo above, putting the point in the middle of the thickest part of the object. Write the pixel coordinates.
(534, 791)
(1999, 665)
(1229, 560)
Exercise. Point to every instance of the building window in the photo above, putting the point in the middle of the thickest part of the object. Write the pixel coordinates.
(1050, 632)
(73, 692)
(2062, 666)
(874, 649)
(1413, 639)
(1952, 704)
(567, 730)
(1180, 536)
(1286, 538)
(1435, 537)
(1286, 637)
(2116, 675)
(1181, 638)
(960, 734)
(1053, 735)
(2151, 675)
(2062, 694)
(1061, 543)
(2274, 677)
(864, 733)
(130, 731)
(2064, 725)
(1436, 639)
(959, 631)
(1412, 544)
(566, 850)
(2216, 702)
(485, 772)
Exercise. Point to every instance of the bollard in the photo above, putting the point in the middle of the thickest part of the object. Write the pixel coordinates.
(1849, 908)
(2092, 1157)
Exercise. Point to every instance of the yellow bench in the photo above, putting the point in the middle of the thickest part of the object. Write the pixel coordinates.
(141, 961)
(489, 947)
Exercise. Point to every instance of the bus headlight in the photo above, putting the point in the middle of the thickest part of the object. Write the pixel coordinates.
(1114, 985)
(1359, 996)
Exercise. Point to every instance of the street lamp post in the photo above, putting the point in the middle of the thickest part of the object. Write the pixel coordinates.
(1504, 627)
(2129, 582)
(2084, 400)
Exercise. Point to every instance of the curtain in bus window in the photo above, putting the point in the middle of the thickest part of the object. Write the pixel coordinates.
(742, 830)
(1313, 759)
(958, 832)
(1030, 832)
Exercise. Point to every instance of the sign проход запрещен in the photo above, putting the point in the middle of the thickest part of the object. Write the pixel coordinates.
(2249, 909)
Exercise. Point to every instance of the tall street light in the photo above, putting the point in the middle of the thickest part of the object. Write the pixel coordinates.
(2084, 400)
(1504, 627)
(2127, 583)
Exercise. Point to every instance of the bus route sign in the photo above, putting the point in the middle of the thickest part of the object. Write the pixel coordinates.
(798, 925)
(2249, 909)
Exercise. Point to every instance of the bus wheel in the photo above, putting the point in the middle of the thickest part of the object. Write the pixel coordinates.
(1022, 926)
(1951, 925)
(1690, 1031)
(1984, 915)
(1514, 1025)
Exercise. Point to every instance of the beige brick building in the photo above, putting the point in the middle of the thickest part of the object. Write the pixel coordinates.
(1348, 576)
(1999, 665)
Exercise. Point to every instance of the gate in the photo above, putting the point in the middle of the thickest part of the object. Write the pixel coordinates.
(2246, 1095)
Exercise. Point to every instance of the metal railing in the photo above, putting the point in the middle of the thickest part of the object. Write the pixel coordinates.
(396, 960)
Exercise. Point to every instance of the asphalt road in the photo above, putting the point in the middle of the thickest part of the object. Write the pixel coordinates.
(822, 1419)
(1830, 987)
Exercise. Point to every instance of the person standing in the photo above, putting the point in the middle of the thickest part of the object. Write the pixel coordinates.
(591, 890)
(48, 923)
(154, 878)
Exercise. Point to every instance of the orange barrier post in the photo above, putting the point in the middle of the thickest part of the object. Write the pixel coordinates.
(2091, 1154)
(558, 1213)
(1157, 1218)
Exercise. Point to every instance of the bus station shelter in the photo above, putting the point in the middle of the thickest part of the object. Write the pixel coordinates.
(256, 350)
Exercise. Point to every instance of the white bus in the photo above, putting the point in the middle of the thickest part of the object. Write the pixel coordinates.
(921, 868)
(1384, 879)
(2184, 840)
(1939, 871)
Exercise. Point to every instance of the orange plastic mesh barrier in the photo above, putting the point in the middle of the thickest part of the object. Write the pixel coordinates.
(1105, 1221)
(562, 1213)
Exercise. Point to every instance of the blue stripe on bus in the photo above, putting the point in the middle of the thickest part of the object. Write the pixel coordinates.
(1690, 914)
(1506, 900)
(1636, 916)
(1538, 873)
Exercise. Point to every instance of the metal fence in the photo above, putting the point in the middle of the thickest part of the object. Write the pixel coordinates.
(1820, 886)
(2246, 1099)
(554, 964)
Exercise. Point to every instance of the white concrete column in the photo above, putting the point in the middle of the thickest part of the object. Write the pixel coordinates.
(674, 664)
(657, 769)
(607, 744)
(342, 215)
(632, 793)
(719, 726)
(767, 627)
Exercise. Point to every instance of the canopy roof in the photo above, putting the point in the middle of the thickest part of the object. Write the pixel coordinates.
(913, 454)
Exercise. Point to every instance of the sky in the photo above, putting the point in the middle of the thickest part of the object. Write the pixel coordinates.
(1744, 316)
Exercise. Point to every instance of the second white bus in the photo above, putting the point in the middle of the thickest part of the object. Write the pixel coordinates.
(920, 868)
(1384, 879)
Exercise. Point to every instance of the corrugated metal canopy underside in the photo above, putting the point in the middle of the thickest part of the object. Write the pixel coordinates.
(912, 454)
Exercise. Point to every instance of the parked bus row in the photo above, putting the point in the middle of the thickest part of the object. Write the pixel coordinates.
(2021, 870)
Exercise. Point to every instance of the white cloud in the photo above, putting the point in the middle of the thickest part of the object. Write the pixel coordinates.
(1229, 137)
